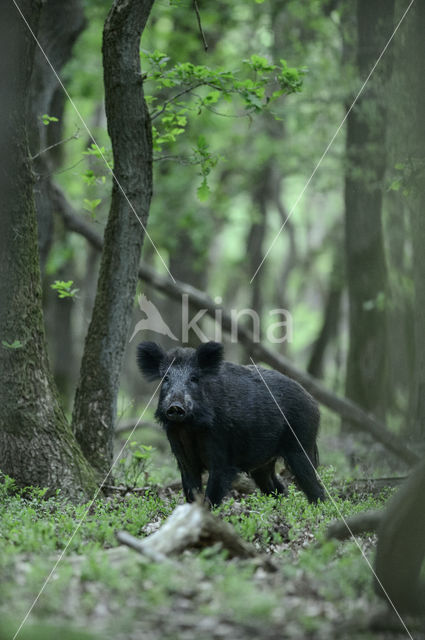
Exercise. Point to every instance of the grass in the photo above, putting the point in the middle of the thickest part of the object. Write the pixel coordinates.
(120, 595)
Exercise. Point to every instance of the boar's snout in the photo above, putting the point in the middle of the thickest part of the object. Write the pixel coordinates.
(176, 412)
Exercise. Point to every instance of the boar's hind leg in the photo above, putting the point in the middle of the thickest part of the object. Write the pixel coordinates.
(219, 483)
(305, 474)
(266, 480)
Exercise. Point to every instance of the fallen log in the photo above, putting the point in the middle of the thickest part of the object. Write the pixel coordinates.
(373, 486)
(189, 526)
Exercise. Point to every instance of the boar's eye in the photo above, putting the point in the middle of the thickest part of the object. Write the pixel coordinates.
(166, 378)
(194, 379)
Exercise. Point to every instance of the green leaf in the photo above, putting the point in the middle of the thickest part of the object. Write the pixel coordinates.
(64, 288)
(48, 119)
(203, 191)
(95, 150)
(90, 205)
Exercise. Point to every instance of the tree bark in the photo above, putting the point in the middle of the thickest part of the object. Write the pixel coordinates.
(348, 410)
(401, 546)
(60, 25)
(260, 195)
(366, 378)
(412, 109)
(36, 443)
(130, 132)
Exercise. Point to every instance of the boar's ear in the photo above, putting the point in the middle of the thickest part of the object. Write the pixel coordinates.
(149, 358)
(210, 356)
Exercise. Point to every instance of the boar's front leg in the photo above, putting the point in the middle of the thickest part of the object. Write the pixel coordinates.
(189, 465)
(192, 484)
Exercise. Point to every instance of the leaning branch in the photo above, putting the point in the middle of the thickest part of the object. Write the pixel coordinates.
(366, 522)
(74, 136)
(348, 410)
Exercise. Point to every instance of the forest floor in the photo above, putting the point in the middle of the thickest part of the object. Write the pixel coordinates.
(310, 587)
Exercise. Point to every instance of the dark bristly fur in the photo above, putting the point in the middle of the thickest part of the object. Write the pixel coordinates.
(221, 417)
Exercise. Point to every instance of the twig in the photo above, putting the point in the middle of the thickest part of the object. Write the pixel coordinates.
(74, 136)
(128, 425)
(56, 173)
(201, 31)
(124, 489)
(179, 159)
(178, 95)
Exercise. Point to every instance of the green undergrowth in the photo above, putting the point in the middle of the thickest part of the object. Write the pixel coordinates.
(118, 593)
(30, 523)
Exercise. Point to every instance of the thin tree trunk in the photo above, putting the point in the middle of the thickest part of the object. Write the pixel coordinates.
(59, 315)
(36, 444)
(130, 131)
(401, 333)
(260, 195)
(331, 315)
(366, 381)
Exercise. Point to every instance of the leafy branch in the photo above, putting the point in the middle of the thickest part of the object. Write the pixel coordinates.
(255, 87)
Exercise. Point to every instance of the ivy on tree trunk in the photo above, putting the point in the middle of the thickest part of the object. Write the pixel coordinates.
(130, 131)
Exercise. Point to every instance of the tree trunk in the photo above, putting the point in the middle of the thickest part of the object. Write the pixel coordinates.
(130, 131)
(401, 536)
(36, 443)
(60, 25)
(366, 381)
(401, 334)
(401, 546)
(260, 195)
(413, 110)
